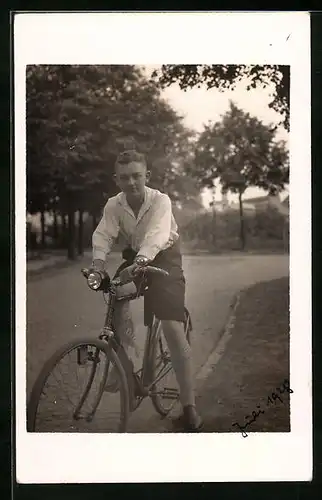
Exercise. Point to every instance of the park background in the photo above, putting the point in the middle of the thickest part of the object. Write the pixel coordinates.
(216, 139)
(59, 300)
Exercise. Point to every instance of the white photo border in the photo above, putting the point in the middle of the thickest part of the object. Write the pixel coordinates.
(188, 37)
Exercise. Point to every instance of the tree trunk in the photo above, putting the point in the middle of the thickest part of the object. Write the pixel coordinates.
(63, 221)
(214, 219)
(65, 230)
(94, 218)
(43, 229)
(286, 236)
(71, 247)
(242, 222)
(80, 232)
(214, 226)
(55, 228)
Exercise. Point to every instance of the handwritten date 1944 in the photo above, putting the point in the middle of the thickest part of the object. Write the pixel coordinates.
(271, 400)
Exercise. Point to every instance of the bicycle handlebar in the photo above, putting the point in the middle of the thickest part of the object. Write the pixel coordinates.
(155, 270)
(146, 269)
(85, 272)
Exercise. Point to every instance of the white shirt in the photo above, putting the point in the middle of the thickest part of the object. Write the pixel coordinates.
(153, 230)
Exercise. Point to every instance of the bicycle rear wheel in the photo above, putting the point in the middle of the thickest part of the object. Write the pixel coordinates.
(165, 390)
(69, 391)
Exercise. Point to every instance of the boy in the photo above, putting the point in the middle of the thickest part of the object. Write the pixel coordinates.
(143, 216)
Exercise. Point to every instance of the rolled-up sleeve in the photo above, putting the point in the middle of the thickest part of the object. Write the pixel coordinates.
(159, 227)
(106, 232)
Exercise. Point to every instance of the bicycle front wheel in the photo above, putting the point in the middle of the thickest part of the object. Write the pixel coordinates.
(71, 390)
(165, 390)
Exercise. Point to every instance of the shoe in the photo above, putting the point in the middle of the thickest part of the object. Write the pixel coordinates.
(189, 420)
(178, 421)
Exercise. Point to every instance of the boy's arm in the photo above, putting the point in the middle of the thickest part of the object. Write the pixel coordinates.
(105, 235)
(158, 230)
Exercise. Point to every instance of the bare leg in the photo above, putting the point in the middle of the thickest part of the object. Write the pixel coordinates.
(181, 358)
(125, 329)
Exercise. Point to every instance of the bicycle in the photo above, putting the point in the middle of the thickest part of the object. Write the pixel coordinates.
(100, 355)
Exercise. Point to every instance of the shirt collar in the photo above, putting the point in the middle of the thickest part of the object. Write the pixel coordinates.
(145, 206)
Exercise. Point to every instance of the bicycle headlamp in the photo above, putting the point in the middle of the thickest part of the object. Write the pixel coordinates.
(94, 280)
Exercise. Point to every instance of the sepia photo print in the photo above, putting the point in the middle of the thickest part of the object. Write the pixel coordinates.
(164, 214)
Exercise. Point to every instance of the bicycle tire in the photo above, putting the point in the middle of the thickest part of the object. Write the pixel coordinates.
(51, 363)
(159, 342)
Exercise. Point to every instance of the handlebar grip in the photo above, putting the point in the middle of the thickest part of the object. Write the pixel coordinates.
(156, 270)
(85, 272)
(148, 269)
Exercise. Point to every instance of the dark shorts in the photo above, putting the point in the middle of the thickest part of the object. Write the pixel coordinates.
(165, 295)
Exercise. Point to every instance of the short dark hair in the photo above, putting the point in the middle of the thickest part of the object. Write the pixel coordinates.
(129, 156)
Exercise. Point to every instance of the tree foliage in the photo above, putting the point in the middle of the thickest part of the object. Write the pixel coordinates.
(225, 77)
(241, 152)
(77, 119)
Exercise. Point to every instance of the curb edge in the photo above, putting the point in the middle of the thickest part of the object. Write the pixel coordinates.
(223, 339)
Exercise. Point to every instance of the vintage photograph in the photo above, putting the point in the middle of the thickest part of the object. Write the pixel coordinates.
(157, 229)
(162, 247)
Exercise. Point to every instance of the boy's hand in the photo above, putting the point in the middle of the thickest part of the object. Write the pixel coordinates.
(98, 265)
(129, 273)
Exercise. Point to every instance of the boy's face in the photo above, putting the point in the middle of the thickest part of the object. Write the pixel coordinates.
(131, 179)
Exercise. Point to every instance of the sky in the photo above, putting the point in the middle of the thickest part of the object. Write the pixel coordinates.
(199, 106)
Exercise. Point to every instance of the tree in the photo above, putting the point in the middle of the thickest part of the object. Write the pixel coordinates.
(226, 77)
(77, 119)
(69, 137)
(240, 151)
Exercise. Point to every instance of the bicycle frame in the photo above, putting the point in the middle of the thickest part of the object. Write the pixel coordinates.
(141, 383)
(135, 385)
(143, 378)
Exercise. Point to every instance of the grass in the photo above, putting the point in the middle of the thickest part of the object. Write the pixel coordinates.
(254, 365)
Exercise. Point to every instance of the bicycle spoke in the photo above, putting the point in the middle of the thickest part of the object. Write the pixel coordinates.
(164, 388)
(66, 395)
(161, 375)
(72, 398)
